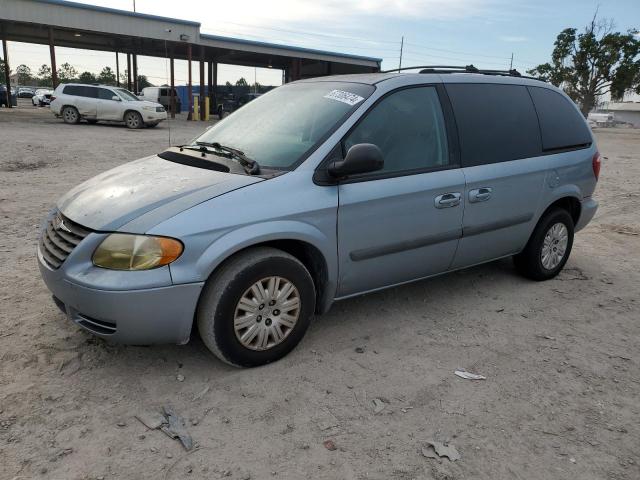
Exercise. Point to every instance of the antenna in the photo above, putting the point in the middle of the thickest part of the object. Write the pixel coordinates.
(401, 45)
(511, 63)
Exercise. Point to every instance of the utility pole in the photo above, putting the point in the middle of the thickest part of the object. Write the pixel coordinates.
(511, 63)
(134, 6)
(401, 46)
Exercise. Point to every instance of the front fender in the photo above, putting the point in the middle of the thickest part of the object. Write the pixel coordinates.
(238, 239)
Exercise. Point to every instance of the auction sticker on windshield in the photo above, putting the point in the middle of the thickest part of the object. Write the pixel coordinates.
(344, 97)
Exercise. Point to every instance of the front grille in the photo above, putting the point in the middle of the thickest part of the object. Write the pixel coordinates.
(59, 238)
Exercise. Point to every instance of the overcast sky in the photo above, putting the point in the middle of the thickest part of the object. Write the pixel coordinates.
(449, 32)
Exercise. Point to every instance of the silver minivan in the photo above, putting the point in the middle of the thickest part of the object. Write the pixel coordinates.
(317, 191)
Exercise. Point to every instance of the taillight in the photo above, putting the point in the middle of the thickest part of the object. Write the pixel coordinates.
(596, 163)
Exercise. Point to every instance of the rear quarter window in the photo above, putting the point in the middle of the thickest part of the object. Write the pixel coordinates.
(496, 122)
(561, 124)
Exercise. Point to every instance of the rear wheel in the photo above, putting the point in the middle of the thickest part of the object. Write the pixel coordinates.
(256, 308)
(548, 248)
(133, 120)
(70, 115)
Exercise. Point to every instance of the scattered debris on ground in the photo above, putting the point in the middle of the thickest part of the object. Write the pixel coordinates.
(469, 376)
(440, 449)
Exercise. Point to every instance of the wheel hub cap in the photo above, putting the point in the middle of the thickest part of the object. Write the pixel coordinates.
(554, 246)
(266, 313)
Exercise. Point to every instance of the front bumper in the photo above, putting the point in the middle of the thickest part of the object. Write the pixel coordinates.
(139, 316)
(152, 117)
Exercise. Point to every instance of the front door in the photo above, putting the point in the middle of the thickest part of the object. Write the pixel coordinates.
(108, 108)
(403, 222)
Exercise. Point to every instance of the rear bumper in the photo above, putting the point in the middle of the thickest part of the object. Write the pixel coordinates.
(140, 317)
(588, 209)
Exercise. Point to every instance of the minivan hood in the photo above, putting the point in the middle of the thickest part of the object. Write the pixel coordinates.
(138, 195)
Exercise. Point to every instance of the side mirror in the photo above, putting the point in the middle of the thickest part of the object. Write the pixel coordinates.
(115, 98)
(361, 158)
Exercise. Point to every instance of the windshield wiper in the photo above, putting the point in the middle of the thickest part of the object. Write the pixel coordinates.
(251, 166)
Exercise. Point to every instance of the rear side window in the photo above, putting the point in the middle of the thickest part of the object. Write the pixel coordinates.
(74, 90)
(561, 124)
(408, 126)
(81, 91)
(164, 92)
(496, 123)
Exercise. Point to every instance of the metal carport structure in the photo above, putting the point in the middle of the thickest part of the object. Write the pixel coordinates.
(69, 24)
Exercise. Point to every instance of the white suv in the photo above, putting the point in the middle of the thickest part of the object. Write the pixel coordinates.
(73, 102)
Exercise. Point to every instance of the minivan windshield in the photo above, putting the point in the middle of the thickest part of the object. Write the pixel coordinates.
(127, 95)
(279, 128)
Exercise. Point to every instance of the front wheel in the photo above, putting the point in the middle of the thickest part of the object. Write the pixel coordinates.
(133, 120)
(256, 308)
(548, 248)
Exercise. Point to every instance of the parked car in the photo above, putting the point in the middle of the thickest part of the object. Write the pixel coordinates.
(4, 101)
(161, 95)
(321, 190)
(42, 97)
(26, 92)
(230, 103)
(93, 103)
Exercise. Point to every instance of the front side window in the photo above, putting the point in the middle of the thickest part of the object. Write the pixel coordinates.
(126, 95)
(408, 126)
(279, 128)
(104, 94)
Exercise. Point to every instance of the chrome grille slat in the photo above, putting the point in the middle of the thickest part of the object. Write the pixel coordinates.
(56, 243)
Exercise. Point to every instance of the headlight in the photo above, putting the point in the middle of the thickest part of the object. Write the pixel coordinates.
(149, 109)
(122, 251)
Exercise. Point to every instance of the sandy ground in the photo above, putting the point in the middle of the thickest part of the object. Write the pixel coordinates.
(561, 398)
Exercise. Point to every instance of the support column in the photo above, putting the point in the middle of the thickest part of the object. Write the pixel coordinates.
(210, 86)
(189, 85)
(135, 73)
(129, 71)
(7, 76)
(172, 95)
(202, 93)
(117, 70)
(214, 102)
(52, 52)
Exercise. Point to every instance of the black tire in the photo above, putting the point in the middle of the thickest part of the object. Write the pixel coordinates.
(529, 262)
(92, 122)
(225, 288)
(133, 120)
(70, 115)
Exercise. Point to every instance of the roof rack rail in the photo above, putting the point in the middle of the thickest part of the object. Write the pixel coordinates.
(462, 69)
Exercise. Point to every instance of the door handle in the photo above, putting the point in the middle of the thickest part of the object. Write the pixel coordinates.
(447, 200)
(480, 195)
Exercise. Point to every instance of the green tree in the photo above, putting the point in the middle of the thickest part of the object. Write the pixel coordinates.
(143, 82)
(242, 82)
(24, 75)
(2, 71)
(66, 73)
(592, 63)
(44, 76)
(107, 76)
(87, 77)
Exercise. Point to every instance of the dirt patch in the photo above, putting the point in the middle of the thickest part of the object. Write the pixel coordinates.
(19, 165)
(374, 378)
